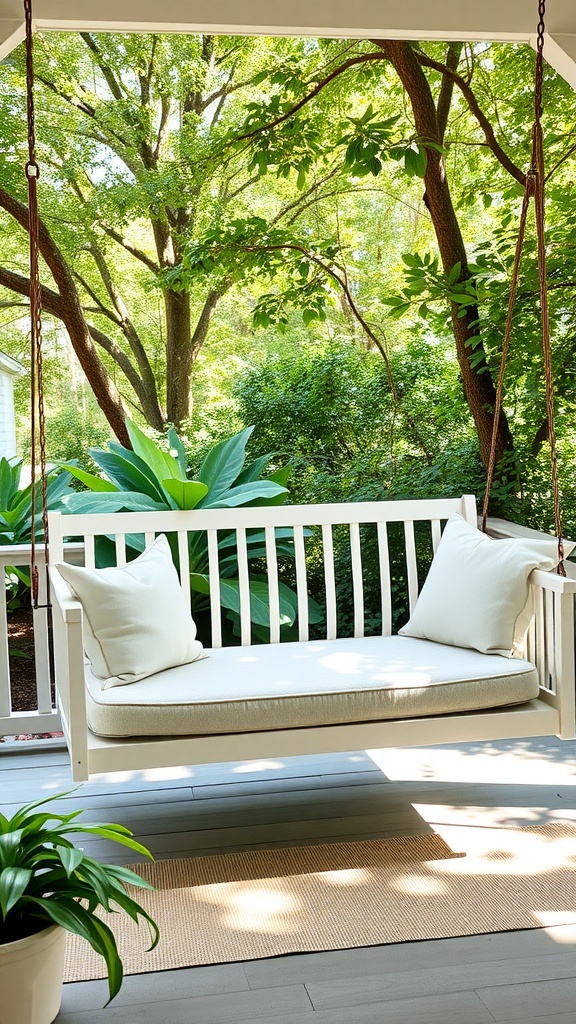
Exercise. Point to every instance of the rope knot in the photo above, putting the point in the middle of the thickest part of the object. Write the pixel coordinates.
(31, 169)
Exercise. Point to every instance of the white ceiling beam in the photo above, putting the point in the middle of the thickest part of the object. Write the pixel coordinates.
(560, 52)
(467, 20)
(11, 35)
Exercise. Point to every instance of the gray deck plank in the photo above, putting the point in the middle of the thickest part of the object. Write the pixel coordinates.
(521, 1002)
(427, 981)
(219, 1008)
(157, 987)
(410, 956)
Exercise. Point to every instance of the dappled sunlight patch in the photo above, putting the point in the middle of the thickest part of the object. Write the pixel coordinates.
(559, 925)
(418, 885)
(165, 774)
(438, 815)
(563, 814)
(344, 876)
(260, 907)
(258, 766)
(511, 852)
(534, 762)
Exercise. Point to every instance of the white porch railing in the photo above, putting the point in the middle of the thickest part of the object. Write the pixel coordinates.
(44, 717)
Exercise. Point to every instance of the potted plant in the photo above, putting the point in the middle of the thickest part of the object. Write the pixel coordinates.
(48, 886)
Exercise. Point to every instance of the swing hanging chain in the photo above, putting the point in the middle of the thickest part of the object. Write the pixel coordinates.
(534, 188)
(37, 414)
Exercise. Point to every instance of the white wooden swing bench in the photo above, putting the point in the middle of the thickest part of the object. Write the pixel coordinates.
(308, 696)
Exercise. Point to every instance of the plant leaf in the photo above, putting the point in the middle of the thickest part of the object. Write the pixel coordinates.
(90, 480)
(186, 493)
(245, 493)
(160, 462)
(223, 465)
(131, 501)
(13, 883)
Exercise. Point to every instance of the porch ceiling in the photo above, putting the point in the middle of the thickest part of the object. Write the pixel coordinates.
(508, 20)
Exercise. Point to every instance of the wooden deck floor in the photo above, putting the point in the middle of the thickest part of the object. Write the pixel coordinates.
(527, 976)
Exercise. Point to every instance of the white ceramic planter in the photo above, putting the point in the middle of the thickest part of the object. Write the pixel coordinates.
(31, 977)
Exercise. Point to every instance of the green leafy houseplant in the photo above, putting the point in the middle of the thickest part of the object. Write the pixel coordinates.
(45, 879)
(148, 478)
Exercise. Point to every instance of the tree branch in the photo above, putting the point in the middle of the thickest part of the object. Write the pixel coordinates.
(447, 88)
(66, 305)
(111, 80)
(351, 62)
(132, 249)
(166, 110)
(466, 90)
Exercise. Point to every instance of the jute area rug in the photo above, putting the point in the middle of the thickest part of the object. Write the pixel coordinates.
(256, 904)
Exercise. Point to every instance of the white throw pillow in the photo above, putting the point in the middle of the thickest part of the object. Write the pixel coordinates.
(476, 592)
(136, 622)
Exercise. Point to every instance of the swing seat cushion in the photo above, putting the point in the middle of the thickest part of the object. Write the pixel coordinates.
(307, 684)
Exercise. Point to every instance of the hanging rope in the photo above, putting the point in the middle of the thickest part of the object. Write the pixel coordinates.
(37, 418)
(539, 211)
(534, 188)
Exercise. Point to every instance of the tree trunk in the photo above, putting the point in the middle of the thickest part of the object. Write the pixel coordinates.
(72, 315)
(476, 380)
(178, 356)
(182, 348)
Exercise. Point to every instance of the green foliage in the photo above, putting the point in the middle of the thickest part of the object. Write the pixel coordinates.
(326, 406)
(149, 478)
(16, 519)
(16, 501)
(369, 143)
(71, 431)
(249, 250)
(428, 290)
(46, 879)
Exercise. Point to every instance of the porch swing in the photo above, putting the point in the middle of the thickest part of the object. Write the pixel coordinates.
(487, 652)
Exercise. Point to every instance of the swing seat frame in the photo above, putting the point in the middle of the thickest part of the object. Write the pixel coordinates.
(549, 644)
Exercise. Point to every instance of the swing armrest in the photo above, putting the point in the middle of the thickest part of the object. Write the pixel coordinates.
(552, 581)
(70, 607)
(69, 672)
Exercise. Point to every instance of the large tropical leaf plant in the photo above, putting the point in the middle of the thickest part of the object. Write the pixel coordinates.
(148, 478)
(16, 518)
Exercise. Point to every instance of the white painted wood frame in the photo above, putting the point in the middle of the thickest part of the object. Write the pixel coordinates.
(550, 640)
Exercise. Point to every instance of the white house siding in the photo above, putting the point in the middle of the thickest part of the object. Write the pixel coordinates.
(7, 420)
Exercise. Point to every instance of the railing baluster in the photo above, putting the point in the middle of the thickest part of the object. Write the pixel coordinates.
(301, 582)
(89, 553)
(244, 583)
(385, 582)
(540, 637)
(41, 641)
(549, 628)
(184, 566)
(5, 701)
(273, 589)
(214, 580)
(436, 534)
(329, 581)
(357, 580)
(120, 545)
(411, 567)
